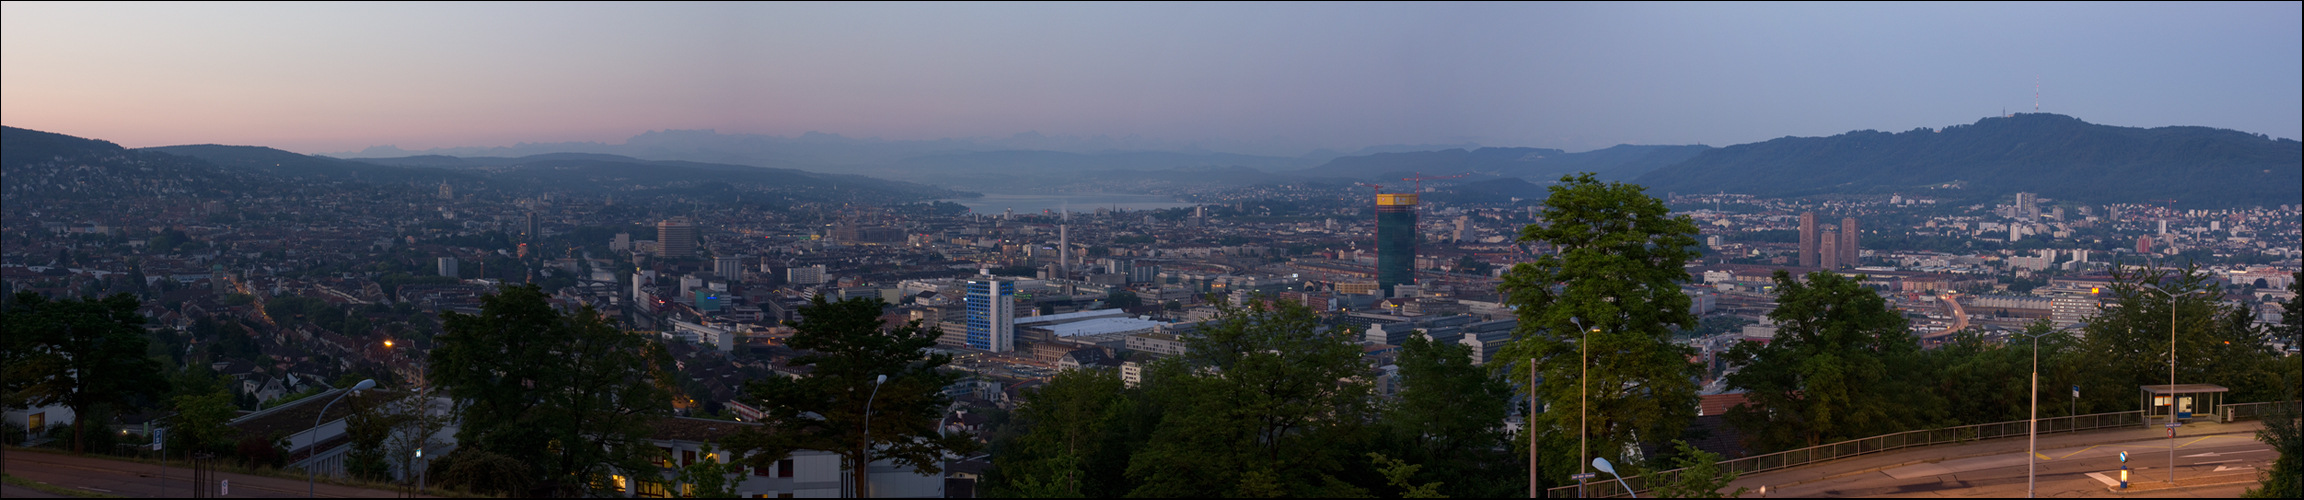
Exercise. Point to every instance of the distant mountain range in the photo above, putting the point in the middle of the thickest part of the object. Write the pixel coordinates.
(39, 164)
(2054, 155)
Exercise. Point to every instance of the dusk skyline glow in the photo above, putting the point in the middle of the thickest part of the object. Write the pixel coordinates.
(1277, 79)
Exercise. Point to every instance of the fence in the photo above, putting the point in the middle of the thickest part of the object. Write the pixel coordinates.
(1604, 487)
(2252, 411)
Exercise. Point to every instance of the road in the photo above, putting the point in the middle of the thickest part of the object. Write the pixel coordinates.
(1959, 314)
(140, 480)
(2071, 465)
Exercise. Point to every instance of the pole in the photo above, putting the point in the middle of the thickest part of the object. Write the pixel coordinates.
(2032, 443)
(1530, 422)
(2171, 389)
(864, 466)
(1583, 399)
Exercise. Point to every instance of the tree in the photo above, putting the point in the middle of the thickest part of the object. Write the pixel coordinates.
(567, 396)
(1617, 271)
(370, 424)
(1072, 444)
(420, 419)
(1836, 369)
(1123, 300)
(1450, 418)
(847, 350)
(1264, 402)
(1398, 473)
(2128, 341)
(710, 477)
(1700, 475)
(82, 354)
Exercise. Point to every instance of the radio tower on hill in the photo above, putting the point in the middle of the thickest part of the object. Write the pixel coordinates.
(2035, 93)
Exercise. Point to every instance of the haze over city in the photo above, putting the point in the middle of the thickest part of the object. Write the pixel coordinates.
(1272, 79)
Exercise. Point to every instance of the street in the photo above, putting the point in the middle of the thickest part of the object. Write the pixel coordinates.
(2070, 465)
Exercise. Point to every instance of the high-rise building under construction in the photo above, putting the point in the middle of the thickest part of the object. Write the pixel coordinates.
(1395, 240)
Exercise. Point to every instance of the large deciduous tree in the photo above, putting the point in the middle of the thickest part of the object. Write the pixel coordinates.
(79, 353)
(1449, 419)
(1617, 270)
(568, 395)
(1265, 403)
(846, 350)
(2215, 343)
(1837, 368)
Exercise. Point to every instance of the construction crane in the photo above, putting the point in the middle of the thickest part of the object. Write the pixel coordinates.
(1420, 178)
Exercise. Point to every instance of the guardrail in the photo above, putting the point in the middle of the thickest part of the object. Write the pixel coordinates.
(1866, 446)
(2252, 411)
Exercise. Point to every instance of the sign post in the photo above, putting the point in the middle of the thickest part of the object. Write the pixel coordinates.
(2123, 470)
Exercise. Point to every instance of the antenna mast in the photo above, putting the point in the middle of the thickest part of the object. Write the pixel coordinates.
(2035, 93)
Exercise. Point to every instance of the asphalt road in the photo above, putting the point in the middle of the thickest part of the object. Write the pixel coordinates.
(139, 480)
(2074, 470)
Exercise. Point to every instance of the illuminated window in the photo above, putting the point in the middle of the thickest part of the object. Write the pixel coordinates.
(651, 488)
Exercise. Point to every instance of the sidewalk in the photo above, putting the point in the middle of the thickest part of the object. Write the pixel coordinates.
(1939, 453)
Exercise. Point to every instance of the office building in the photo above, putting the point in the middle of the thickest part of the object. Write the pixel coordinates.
(1848, 242)
(728, 268)
(811, 275)
(1395, 240)
(1828, 250)
(1808, 240)
(448, 267)
(992, 314)
(531, 232)
(676, 238)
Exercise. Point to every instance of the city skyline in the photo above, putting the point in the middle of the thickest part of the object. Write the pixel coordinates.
(1259, 78)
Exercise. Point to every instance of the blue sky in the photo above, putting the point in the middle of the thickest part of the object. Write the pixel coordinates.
(1257, 78)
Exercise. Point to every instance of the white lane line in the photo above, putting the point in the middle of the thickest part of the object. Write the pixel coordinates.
(2101, 478)
(2216, 462)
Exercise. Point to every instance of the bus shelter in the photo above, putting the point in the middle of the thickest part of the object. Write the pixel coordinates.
(2181, 401)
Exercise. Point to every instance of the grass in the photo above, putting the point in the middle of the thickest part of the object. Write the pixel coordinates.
(53, 488)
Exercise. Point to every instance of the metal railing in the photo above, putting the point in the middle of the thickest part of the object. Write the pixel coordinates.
(1866, 446)
(2253, 411)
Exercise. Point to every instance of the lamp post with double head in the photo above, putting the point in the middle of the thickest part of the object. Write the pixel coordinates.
(311, 488)
(2172, 303)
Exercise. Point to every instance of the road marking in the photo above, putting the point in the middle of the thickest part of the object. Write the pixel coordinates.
(2069, 455)
(2216, 462)
(2202, 438)
(2101, 478)
(2043, 457)
(95, 489)
(2221, 468)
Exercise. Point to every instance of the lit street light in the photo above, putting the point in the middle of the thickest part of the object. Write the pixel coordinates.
(1602, 464)
(2032, 442)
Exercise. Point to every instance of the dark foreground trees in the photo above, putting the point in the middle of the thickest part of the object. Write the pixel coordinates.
(1267, 403)
(84, 354)
(549, 400)
(1837, 369)
(848, 351)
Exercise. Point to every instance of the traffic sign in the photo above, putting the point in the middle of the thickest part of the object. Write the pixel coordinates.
(2173, 425)
(156, 436)
(2123, 457)
(1583, 476)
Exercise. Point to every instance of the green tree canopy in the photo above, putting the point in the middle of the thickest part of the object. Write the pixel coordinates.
(1617, 271)
(567, 395)
(1266, 402)
(1836, 369)
(79, 353)
(846, 351)
(1449, 419)
(2128, 342)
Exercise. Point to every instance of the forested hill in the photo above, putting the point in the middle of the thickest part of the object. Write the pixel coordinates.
(2054, 155)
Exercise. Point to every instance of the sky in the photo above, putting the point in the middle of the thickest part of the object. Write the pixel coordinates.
(1281, 78)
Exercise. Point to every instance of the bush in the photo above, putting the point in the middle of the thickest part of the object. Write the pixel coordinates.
(481, 472)
(257, 451)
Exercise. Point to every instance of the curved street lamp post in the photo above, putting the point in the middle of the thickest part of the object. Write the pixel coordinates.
(311, 437)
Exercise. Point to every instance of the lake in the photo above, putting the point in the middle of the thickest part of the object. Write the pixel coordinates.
(994, 204)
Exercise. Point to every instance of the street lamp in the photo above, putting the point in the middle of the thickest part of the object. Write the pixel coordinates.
(312, 436)
(1602, 464)
(1583, 401)
(864, 467)
(2171, 375)
(2032, 443)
